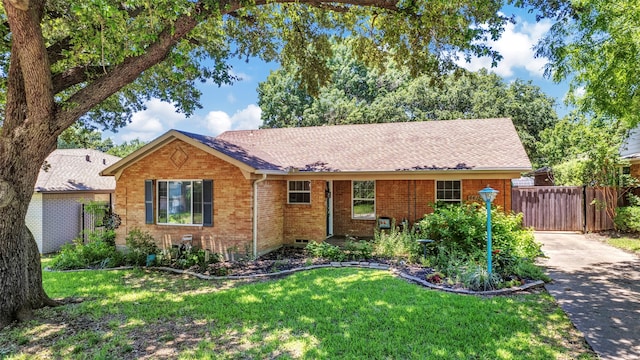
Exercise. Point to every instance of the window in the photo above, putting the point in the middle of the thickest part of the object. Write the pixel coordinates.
(448, 191)
(299, 192)
(364, 200)
(180, 202)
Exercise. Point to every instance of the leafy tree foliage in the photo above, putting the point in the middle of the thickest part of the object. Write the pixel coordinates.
(97, 61)
(357, 93)
(126, 147)
(78, 137)
(584, 151)
(596, 44)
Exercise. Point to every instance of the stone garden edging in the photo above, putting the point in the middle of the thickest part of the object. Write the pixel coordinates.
(356, 264)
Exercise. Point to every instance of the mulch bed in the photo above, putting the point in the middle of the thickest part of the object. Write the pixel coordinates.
(288, 258)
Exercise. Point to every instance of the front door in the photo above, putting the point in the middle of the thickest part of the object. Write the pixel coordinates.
(328, 194)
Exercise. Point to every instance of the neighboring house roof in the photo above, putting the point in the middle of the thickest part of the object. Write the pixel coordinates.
(484, 144)
(75, 170)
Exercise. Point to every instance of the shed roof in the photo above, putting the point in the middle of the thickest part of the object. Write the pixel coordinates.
(75, 170)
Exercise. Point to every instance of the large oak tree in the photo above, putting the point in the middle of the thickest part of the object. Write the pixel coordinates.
(97, 61)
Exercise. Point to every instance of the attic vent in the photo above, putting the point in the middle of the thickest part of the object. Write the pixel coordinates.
(88, 158)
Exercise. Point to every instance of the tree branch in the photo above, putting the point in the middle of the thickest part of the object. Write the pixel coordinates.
(75, 76)
(127, 71)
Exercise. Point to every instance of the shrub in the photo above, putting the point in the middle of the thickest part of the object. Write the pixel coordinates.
(325, 250)
(459, 232)
(396, 244)
(139, 245)
(478, 278)
(627, 219)
(95, 254)
(356, 250)
(529, 270)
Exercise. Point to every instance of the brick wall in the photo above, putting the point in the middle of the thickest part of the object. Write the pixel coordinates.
(232, 199)
(470, 190)
(270, 214)
(343, 224)
(306, 221)
(406, 199)
(634, 170)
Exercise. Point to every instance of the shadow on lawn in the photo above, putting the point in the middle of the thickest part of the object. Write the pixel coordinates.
(324, 313)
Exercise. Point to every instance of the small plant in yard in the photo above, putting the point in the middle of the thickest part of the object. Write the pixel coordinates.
(360, 250)
(96, 253)
(325, 250)
(627, 219)
(139, 245)
(397, 244)
(478, 278)
(460, 245)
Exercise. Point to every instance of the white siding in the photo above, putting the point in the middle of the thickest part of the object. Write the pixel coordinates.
(632, 143)
(34, 218)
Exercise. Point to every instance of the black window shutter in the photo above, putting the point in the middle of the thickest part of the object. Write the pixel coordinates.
(148, 201)
(207, 202)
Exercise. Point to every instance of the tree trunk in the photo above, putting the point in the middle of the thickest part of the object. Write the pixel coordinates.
(20, 268)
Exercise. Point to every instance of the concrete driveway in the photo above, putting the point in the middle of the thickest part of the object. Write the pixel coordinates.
(598, 286)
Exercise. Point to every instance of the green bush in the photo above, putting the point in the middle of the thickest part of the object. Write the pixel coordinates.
(460, 231)
(95, 254)
(358, 250)
(139, 245)
(396, 244)
(478, 278)
(529, 270)
(627, 219)
(325, 250)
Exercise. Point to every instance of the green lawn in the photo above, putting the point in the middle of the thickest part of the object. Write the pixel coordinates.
(625, 243)
(319, 314)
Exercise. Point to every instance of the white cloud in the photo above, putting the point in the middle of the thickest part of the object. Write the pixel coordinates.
(148, 124)
(516, 47)
(240, 75)
(231, 99)
(245, 119)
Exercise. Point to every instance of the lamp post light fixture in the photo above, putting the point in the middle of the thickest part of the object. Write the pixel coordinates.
(488, 195)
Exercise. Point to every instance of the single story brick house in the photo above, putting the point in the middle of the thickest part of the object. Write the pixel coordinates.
(68, 178)
(253, 191)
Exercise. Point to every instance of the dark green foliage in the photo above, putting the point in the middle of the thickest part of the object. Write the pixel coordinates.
(139, 245)
(96, 253)
(358, 250)
(627, 219)
(397, 244)
(460, 247)
(528, 270)
(325, 250)
(191, 257)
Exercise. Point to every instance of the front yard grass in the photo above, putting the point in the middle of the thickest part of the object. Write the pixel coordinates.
(319, 314)
(626, 243)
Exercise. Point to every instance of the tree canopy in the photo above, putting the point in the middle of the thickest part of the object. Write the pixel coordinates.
(356, 93)
(584, 151)
(595, 44)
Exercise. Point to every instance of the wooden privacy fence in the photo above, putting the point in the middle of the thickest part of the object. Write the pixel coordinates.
(565, 208)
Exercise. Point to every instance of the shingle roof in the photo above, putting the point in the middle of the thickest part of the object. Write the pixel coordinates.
(69, 170)
(484, 144)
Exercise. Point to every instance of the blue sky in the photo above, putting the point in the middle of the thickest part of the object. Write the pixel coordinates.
(235, 107)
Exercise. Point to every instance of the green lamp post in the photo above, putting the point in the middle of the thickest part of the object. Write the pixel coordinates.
(488, 195)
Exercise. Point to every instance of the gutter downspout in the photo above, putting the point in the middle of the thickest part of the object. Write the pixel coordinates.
(255, 214)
